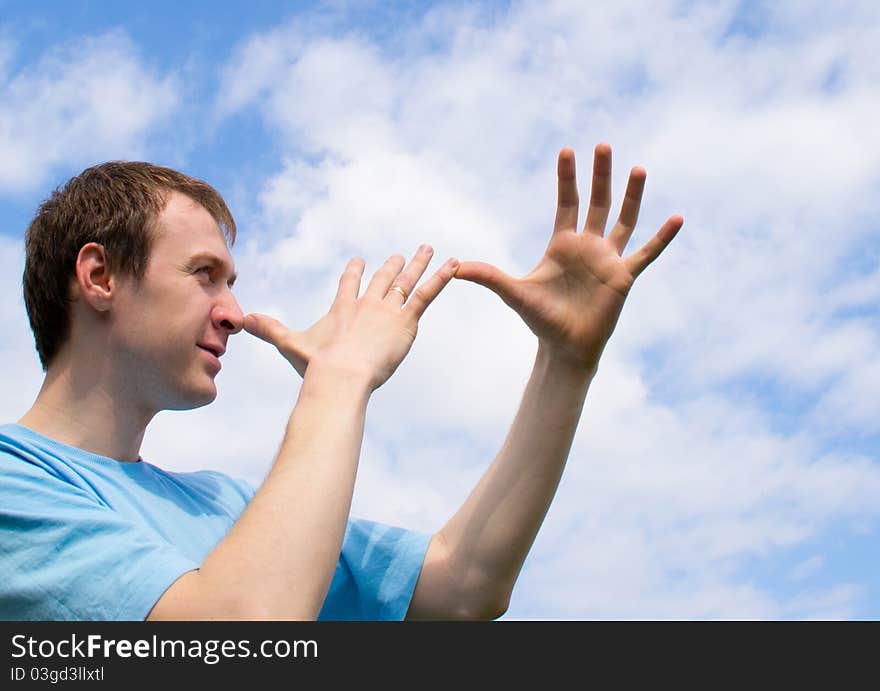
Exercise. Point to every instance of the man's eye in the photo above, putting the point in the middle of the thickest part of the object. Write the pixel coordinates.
(206, 269)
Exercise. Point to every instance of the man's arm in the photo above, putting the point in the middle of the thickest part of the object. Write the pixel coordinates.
(571, 301)
(278, 559)
(473, 561)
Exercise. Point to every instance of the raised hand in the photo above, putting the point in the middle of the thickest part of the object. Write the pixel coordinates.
(370, 334)
(572, 299)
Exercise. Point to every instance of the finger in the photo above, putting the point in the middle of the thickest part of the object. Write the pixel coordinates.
(500, 283)
(272, 331)
(420, 299)
(410, 276)
(381, 281)
(350, 282)
(567, 197)
(600, 191)
(629, 210)
(638, 261)
(265, 328)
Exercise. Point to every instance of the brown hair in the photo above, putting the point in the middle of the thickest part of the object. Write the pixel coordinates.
(114, 204)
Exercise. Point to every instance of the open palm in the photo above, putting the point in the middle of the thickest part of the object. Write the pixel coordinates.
(572, 299)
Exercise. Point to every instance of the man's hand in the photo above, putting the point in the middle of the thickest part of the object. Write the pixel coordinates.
(371, 334)
(572, 299)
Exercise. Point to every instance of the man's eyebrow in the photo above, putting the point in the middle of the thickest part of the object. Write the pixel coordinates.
(214, 260)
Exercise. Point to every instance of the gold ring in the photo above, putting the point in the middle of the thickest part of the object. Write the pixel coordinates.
(398, 289)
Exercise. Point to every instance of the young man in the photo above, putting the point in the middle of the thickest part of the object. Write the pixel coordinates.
(128, 288)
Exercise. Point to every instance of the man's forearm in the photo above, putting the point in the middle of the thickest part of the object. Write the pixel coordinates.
(490, 535)
(279, 558)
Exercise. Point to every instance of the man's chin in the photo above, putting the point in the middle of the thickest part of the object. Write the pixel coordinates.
(195, 399)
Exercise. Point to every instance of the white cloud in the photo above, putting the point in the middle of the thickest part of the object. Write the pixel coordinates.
(807, 567)
(85, 101)
(838, 602)
(253, 70)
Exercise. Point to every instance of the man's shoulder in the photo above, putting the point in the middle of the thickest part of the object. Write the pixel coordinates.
(10, 434)
(24, 451)
(16, 445)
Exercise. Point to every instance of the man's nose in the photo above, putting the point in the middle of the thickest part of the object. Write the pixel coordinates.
(228, 315)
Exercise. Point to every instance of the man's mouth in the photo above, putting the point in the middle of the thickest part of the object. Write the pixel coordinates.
(214, 353)
(216, 350)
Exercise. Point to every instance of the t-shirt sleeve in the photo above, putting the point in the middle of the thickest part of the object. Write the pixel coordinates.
(66, 556)
(376, 574)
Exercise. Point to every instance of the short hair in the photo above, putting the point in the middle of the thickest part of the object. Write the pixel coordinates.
(115, 204)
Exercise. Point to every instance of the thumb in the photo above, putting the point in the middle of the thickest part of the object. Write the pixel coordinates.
(265, 328)
(493, 278)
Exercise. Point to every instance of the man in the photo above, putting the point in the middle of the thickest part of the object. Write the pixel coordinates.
(90, 530)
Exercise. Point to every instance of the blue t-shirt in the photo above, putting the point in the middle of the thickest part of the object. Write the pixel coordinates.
(87, 537)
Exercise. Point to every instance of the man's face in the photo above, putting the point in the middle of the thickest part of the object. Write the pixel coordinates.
(164, 328)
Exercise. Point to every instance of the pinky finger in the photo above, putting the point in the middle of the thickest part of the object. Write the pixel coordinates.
(418, 302)
(639, 261)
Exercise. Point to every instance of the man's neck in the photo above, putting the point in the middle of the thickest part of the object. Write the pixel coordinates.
(86, 416)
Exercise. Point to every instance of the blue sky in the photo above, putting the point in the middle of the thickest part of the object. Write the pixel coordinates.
(727, 462)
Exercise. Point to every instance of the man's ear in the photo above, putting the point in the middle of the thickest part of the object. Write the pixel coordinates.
(94, 283)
